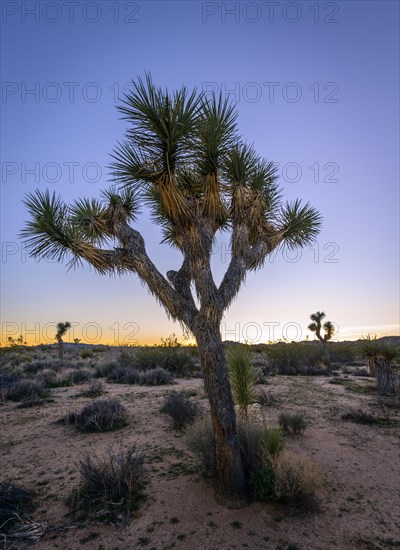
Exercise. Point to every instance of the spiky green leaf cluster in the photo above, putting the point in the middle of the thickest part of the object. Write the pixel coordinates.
(56, 231)
(371, 348)
(242, 377)
(184, 157)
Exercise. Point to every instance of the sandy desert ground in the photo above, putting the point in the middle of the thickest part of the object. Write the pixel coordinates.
(360, 501)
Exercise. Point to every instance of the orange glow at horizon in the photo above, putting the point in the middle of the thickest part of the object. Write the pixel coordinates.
(346, 334)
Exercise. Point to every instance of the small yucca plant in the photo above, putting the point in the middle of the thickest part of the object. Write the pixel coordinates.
(242, 378)
(272, 442)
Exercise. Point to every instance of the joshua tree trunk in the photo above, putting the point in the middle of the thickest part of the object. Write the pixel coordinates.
(371, 362)
(327, 355)
(60, 348)
(385, 377)
(231, 486)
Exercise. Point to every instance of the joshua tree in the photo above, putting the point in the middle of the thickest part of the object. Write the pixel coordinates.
(329, 330)
(183, 159)
(61, 331)
(380, 358)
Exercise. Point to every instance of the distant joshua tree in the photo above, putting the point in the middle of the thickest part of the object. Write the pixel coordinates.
(15, 342)
(329, 330)
(61, 331)
(185, 160)
(77, 340)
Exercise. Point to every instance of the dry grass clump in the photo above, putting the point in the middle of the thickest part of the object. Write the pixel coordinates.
(156, 376)
(123, 375)
(292, 422)
(111, 487)
(16, 527)
(265, 398)
(104, 369)
(95, 389)
(15, 503)
(102, 415)
(63, 378)
(200, 440)
(298, 481)
(26, 390)
(360, 416)
(181, 409)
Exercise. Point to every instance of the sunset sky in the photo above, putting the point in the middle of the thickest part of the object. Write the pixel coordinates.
(316, 86)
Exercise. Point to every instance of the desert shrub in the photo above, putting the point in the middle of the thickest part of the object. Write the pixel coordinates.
(80, 376)
(45, 347)
(41, 364)
(95, 389)
(181, 409)
(111, 487)
(100, 349)
(47, 377)
(155, 377)
(250, 441)
(29, 403)
(26, 390)
(123, 375)
(359, 416)
(100, 416)
(361, 372)
(265, 398)
(262, 482)
(295, 423)
(7, 379)
(295, 358)
(200, 440)
(87, 354)
(297, 481)
(342, 353)
(261, 377)
(66, 378)
(126, 359)
(103, 370)
(15, 503)
(242, 377)
(178, 361)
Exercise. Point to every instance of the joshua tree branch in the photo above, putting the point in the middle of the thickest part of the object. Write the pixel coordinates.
(175, 304)
(244, 258)
(181, 280)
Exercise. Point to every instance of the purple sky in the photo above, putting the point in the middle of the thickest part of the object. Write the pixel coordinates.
(317, 87)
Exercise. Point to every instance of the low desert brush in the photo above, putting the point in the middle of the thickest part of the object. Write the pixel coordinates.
(15, 503)
(111, 486)
(99, 416)
(298, 481)
(292, 422)
(181, 409)
(359, 416)
(26, 390)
